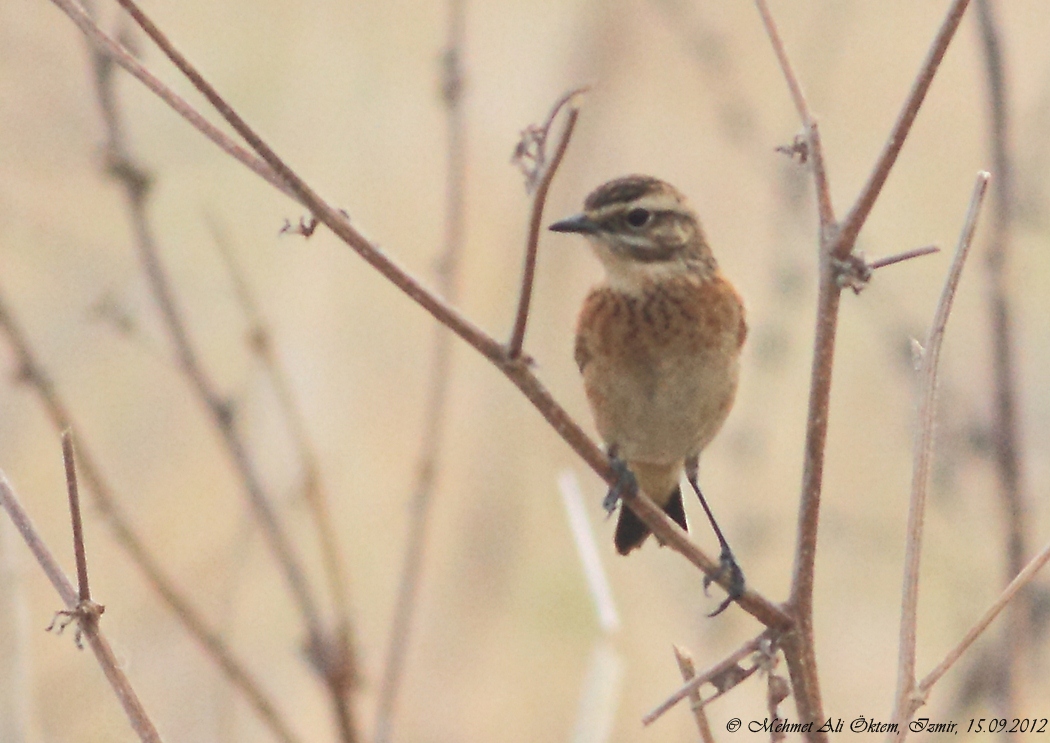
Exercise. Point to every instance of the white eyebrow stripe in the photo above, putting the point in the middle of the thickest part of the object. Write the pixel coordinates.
(653, 202)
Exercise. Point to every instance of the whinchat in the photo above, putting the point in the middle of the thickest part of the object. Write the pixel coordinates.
(658, 344)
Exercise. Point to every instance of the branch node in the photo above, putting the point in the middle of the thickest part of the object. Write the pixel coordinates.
(225, 410)
(851, 272)
(798, 150)
(136, 179)
(451, 78)
(530, 154)
(85, 615)
(305, 228)
(333, 658)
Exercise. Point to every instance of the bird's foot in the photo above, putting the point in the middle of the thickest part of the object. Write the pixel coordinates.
(734, 576)
(626, 483)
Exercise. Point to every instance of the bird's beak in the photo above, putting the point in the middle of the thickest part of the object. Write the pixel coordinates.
(580, 223)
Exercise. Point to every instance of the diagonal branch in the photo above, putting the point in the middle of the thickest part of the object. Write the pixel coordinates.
(710, 675)
(1021, 580)
(331, 654)
(135, 182)
(866, 200)
(33, 373)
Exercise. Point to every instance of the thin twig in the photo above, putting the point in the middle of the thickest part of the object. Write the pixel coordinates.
(516, 371)
(923, 453)
(814, 152)
(108, 505)
(866, 200)
(84, 589)
(907, 255)
(539, 201)
(435, 411)
(1021, 580)
(794, 86)
(709, 675)
(107, 660)
(121, 56)
(685, 665)
(1006, 424)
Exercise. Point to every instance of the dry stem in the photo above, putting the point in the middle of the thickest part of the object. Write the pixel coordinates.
(1006, 423)
(923, 455)
(83, 588)
(1021, 580)
(710, 675)
(87, 621)
(539, 201)
(33, 372)
(440, 376)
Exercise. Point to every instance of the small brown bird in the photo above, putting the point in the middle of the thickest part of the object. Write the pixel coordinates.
(658, 345)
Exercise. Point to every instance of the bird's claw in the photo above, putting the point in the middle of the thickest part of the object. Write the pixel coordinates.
(626, 483)
(734, 576)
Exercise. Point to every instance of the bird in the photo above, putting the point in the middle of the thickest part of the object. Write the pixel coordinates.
(658, 345)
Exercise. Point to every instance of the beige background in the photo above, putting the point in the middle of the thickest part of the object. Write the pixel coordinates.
(347, 92)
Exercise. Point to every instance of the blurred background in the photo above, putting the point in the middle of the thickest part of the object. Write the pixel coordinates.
(349, 94)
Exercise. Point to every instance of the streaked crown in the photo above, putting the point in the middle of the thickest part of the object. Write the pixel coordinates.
(639, 219)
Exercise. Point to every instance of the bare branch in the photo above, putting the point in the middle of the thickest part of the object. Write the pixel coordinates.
(716, 674)
(1021, 580)
(923, 454)
(79, 552)
(330, 654)
(314, 493)
(851, 225)
(539, 200)
(121, 56)
(111, 667)
(813, 151)
(907, 255)
(836, 245)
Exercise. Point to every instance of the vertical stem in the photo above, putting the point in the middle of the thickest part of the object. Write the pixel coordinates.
(1005, 424)
(440, 374)
(923, 453)
(79, 552)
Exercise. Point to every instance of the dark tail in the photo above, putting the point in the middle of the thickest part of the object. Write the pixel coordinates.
(631, 532)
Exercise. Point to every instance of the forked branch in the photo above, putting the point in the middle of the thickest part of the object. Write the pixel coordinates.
(86, 620)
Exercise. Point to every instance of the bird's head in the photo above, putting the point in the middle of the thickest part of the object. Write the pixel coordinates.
(642, 230)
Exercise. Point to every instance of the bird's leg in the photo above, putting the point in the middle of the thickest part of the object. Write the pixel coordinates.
(729, 568)
(626, 483)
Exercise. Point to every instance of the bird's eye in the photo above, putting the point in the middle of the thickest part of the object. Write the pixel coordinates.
(639, 217)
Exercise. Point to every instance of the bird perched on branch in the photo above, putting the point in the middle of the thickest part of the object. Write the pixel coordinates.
(658, 345)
